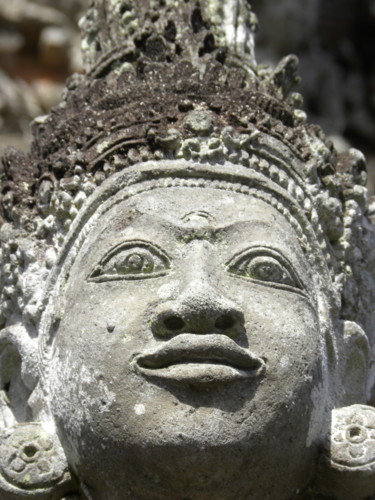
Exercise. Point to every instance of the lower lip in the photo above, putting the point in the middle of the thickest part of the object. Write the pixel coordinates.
(201, 373)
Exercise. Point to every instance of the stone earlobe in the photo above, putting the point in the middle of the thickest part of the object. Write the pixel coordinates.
(348, 467)
(354, 363)
(33, 465)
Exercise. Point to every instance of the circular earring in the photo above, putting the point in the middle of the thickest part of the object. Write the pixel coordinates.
(348, 467)
(33, 464)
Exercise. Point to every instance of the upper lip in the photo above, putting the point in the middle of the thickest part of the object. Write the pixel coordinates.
(193, 348)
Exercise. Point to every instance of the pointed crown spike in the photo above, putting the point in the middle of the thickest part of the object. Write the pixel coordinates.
(116, 32)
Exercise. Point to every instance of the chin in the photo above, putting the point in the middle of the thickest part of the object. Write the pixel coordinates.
(184, 470)
(199, 453)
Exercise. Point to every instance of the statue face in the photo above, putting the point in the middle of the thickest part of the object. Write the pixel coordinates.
(188, 362)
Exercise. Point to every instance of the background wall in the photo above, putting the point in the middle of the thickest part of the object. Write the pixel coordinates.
(334, 40)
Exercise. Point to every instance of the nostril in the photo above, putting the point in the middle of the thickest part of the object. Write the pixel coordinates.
(174, 323)
(225, 322)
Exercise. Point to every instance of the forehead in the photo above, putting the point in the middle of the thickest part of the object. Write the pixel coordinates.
(209, 213)
(191, 207)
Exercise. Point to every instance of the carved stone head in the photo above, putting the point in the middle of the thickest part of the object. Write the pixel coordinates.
(187, 277)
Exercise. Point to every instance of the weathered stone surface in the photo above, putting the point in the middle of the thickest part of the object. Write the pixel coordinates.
(39, 43)
(187, 278)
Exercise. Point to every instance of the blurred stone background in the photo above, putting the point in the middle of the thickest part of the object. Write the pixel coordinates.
(334, 40)
(39, 49)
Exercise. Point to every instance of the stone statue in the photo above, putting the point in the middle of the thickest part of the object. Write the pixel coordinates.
(188, 279)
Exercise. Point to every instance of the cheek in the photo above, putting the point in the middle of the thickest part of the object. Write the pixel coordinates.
(78, 390)
(283, 327)
(102, 328)
(106, 313)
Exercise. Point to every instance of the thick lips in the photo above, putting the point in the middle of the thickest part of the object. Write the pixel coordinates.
(200, 359)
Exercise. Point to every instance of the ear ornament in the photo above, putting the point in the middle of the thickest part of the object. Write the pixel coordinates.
(32, 464)
(348, 469)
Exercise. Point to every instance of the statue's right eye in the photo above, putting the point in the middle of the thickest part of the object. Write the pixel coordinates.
(131, 260)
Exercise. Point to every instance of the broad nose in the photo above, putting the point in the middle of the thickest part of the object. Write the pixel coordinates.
(200, 309)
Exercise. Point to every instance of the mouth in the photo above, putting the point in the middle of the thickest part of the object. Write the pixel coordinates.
(200, 359)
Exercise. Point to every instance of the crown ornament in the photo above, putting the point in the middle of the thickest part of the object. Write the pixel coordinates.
(118, 32)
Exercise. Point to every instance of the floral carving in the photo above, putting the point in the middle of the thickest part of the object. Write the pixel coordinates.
(353, 436)
(30, 458)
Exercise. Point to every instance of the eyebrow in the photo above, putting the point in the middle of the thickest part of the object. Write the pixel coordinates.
(208, 232)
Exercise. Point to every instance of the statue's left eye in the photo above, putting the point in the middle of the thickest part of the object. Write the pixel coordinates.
(131, 260)
(264, 266)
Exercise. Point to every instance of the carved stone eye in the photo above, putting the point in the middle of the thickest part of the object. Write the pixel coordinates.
(268, 267)
(131, 260)
(137, 261)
